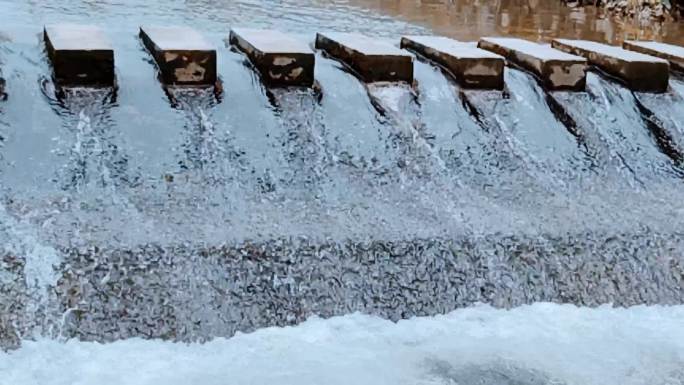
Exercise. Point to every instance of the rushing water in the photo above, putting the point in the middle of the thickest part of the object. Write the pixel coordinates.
(542, 344)
(188, 215)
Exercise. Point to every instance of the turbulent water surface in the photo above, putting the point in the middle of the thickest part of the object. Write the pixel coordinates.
(186, 215)
(542, 344)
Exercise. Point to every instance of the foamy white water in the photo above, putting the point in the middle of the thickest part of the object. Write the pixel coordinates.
(539, 344)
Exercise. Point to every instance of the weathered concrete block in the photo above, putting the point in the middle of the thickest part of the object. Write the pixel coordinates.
(184, 57)
(672, 53)
(280, 59)
(471, 66)
(556, 70)
(80, 55)
(372, 60)
(639, 72)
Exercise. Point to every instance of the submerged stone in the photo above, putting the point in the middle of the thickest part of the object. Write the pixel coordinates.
(672, 53)
(280, 59)
(373, 60)
(183, 55)
(80, 55)
(556, 70)
(471, 66)
(639, 72)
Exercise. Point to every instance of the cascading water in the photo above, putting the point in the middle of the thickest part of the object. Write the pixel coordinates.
(188, 215)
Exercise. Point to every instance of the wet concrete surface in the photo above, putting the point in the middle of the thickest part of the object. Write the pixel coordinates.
(182, 55)
(281, 60)
(672, 53)
(81, 55)
(642, 73)
(472, 67)
(554, 69)
(372, 59)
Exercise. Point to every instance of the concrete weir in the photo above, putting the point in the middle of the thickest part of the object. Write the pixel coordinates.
(471, 66)
(556, 70)
(280, 59)
(80, 55)
(373, 60)
(183, 55)
(672, 53)
(639, 72)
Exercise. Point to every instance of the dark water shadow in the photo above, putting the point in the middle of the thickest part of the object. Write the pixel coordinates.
(492, 373)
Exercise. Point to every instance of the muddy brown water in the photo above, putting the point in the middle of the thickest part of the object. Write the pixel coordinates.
(531, 19)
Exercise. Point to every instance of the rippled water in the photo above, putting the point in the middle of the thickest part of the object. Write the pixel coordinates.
(530, 19)
(185, 215)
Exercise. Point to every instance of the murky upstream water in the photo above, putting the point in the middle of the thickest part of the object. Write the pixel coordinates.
(187, 217)
(530, 19)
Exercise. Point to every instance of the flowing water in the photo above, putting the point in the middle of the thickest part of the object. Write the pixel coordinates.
(184, 215)
(529, 19)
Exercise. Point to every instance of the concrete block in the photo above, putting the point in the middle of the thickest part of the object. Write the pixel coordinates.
(639, 72)
(80, 55)
(556, 70)
(672, 53)
(280, 59)
(471, 66)
(183, 55)
(373, 60)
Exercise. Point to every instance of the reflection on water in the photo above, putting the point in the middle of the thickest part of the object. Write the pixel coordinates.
(532, 19)
(462, 19)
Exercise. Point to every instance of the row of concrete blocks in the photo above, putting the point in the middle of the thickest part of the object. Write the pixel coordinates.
(81, 55)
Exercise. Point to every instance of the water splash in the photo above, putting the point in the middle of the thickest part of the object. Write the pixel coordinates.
(543, 344)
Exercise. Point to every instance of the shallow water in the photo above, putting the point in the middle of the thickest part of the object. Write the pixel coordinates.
(530, 19)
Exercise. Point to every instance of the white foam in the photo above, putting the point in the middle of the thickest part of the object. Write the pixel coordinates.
(539, 344)
(40, 259)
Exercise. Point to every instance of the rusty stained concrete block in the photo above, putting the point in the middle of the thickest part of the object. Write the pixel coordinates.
(80, 55)
(280, 59)
(183, 55)
(472, 67)
(373, 60)
(672, 53)
(640, 72)
(555, 69)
